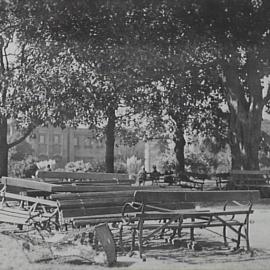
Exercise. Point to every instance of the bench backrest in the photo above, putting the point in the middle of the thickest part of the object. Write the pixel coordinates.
(100, 203)
(150, 197)
(82, 176)
(35, 184)
(194, 175)
(250, 175)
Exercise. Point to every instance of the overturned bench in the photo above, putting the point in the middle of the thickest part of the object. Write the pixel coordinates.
(234, 219)
(27, 211)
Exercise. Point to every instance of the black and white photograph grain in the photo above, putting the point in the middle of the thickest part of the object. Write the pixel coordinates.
(134, 134)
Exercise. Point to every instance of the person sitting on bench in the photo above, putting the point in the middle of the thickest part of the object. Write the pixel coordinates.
(168, 177)
(154, 175)
(142, 176)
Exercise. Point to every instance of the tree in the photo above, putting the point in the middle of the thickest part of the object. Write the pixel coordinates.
(9, 74)
(30, 88)
(241, 40)
(107, 55)
(104, 37)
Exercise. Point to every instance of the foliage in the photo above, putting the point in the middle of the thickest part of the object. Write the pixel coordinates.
(174, 60)
(166, 162)
(120, 166)
(133, 165)
(22, 167)
(78, 166)
(209, 156)
(21, 151)
(240, 47)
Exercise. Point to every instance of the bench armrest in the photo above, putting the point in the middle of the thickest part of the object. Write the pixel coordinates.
(133, 205)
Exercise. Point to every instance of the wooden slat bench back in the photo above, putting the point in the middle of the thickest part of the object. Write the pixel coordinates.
(83, 176)
(74, 207)
(191, 180)
(194, 196)
(250, 179)
(36, 184)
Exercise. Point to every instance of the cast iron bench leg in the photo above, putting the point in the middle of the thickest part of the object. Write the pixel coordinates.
(141, 237)
(225, 236)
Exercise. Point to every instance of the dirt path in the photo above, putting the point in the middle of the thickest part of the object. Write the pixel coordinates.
(16, 252)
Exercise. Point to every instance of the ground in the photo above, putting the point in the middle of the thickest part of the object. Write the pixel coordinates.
(28, 251)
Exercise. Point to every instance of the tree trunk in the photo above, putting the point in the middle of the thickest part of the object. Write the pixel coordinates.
(179, 148)
(3, 147)
(110, 139)
(245, 138)
(246, 106)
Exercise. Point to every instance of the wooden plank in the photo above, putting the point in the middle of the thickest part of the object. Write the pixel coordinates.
(35, 193)
(256, 186)
(75, 188)
(105, 237)
(116, 201)
(83, 195)
(28, 199)
(27, 183)
(19, 211)
(195, 196)
(96, 202)
(75, 212)
(189, 214)
(252, 172)
(92, 221)
(22, 214)
(103, 193)
(108, 216)
(12, 220)
(248, 179)
(82, 175)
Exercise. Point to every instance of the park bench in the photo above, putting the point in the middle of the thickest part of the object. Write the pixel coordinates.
(234, 219)
(37, 186)
(191, 180)
(77, 205)
(222, 179)
(244, 179)
(85, 178)
(90, 208)
(24, 210)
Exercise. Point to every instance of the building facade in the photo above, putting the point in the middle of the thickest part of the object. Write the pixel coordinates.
(69, 144)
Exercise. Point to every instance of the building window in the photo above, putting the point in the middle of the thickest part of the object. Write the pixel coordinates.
(87, 142)
(42, 139)
(76, 141)
(56, 139)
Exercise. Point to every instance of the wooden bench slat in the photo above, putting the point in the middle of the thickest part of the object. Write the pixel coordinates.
(91, 188)
(188, 225)
(12, 220)
(93, 195)
(195, 196)
(96, 202)
(28, 199)
(104, 193)
(27, 183)
(250, 172)
(74, 212)
(82, 175)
